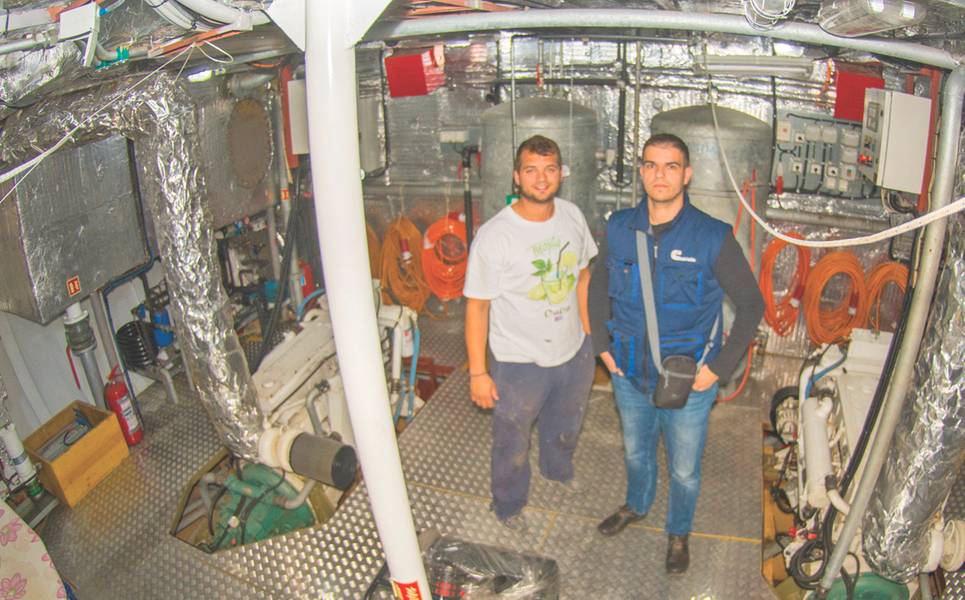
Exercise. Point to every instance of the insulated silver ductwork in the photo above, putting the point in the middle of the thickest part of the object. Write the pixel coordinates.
(29, 72)
(160, 118)
(929, 444)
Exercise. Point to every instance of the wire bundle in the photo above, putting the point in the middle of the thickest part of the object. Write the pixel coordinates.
(830, 325)
(444, 256)
(782, 314)
(878, 280)
(402, 277)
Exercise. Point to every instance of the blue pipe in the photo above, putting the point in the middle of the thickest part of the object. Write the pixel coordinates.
(301, 305)
(413, 367)
(814, 378)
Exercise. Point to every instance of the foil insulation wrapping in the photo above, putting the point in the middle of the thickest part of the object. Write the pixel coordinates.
(23, 73)
(160, 118)
(928, 446)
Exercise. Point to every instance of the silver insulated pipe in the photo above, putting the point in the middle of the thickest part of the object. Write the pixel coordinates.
(928, 447)
(900, 383)
(157, 113)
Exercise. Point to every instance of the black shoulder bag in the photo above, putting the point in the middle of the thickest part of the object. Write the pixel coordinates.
(676, 372)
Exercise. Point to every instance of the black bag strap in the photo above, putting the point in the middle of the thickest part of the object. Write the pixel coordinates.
(650, 306)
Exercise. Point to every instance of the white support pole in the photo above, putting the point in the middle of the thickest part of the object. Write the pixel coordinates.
(336, 179)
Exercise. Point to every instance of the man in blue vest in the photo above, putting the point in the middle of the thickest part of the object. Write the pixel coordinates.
(695, 261)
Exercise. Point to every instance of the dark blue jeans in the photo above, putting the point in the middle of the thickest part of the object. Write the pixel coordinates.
(684, 434)
(552, 398)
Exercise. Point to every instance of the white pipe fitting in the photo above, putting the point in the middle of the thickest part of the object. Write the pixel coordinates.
(74, 314)
(274, 447)
(817, 452)
(953, 546)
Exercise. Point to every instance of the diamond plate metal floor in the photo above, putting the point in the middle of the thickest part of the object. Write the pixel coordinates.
(955, 509)
(115, 544)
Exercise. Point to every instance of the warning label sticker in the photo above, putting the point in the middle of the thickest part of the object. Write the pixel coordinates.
(73, 286)
(406, 591)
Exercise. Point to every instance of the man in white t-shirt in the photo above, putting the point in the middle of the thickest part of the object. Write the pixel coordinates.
(526, 286)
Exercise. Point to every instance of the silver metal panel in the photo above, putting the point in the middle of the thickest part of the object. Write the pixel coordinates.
(115, 543)
(227, 199)
(75, 216)
(571, 126)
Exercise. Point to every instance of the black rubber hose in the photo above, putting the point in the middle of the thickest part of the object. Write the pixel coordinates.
(859, 447)
(286, 261)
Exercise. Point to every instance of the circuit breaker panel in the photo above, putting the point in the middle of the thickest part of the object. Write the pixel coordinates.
(818, 154)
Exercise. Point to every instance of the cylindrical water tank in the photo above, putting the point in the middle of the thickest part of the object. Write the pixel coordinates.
(571, 126)
(747, 142)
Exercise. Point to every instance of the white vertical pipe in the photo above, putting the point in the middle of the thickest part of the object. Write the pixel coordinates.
(336, 170)
(817, 452)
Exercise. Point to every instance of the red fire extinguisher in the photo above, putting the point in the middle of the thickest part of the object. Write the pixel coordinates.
(117, 398)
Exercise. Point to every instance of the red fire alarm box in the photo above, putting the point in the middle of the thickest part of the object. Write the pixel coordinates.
(850, 83)
(415, 71)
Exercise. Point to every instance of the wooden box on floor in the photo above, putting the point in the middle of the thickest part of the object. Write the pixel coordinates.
(84, 464)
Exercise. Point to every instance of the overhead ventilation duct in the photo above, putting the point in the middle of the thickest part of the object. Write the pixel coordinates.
(571, 126)
(161, 120)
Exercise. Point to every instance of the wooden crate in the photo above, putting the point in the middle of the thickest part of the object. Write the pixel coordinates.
(89, 460)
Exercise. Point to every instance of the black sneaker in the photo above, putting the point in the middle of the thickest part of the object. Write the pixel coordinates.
(678, 556)
(618, 521)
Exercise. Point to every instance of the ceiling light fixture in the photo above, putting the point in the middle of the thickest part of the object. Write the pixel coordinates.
(852, 18)
(754, 66)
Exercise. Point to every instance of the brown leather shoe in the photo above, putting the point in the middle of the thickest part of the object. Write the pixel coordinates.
(618, 521)
(678, 555)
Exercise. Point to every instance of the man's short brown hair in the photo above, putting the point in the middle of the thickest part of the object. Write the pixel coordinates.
(668, 139)
(541, 145)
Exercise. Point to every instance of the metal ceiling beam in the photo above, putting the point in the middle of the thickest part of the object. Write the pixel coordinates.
(584, 19)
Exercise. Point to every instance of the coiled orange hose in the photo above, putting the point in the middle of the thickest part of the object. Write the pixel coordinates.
(880, 277)
(782, 314)
(831, 325)
(402, 277)
(375, 251)
(444, 255)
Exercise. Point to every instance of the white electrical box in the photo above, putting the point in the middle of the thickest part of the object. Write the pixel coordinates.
(298, 116)
(894, 139)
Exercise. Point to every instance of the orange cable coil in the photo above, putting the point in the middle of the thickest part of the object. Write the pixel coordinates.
(878, 280)
(835, 324)
(402, 278)
(375, 252)
(444, 256)
(782, 314)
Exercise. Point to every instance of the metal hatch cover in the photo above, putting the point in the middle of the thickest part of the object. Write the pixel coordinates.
(249, 142)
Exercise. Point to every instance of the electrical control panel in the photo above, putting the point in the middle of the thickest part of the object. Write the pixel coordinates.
(817, 154)
(894, 139)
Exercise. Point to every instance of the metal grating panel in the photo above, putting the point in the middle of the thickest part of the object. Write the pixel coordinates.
(115, 543)
(442, 339)
(955, 509)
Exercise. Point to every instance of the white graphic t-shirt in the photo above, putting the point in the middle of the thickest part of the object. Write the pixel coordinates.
(528, 270)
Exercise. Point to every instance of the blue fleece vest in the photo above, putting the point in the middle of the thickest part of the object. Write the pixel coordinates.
(687, 294)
